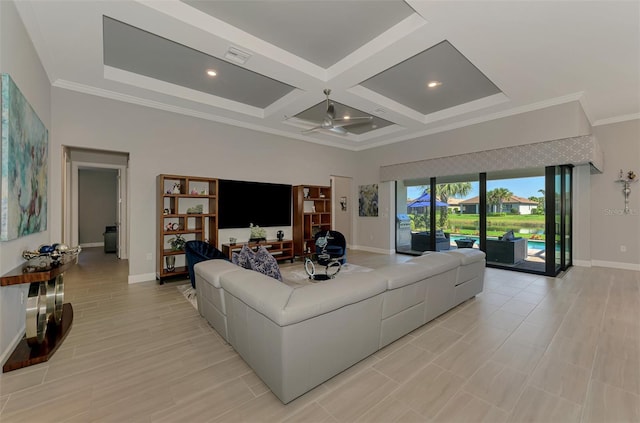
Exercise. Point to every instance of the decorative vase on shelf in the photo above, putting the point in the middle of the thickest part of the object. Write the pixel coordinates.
(171, 263)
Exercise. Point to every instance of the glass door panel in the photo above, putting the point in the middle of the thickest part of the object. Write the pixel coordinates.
(457, 212)
(515, 220)
(567, 199)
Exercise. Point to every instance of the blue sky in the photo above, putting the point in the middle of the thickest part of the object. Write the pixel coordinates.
(522, 187)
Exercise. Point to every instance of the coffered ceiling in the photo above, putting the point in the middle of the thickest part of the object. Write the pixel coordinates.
(273, 59)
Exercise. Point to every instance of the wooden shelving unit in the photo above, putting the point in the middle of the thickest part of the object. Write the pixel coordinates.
(281, 250)
(174, 219)
(311, 214)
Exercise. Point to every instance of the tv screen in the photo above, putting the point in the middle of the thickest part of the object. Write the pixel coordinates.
(241, 203)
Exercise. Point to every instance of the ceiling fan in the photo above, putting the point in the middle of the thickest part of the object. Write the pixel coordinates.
(330, 123)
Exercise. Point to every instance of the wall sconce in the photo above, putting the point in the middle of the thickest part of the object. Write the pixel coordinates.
(626, 180)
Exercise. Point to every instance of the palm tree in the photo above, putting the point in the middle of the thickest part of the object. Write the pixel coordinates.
(458, 189)
(497, 196)
(541, 191)
(446, 191)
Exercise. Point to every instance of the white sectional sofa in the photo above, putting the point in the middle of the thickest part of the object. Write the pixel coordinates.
(297, 338)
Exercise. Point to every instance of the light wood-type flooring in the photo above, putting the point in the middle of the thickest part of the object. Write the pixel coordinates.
(528, 349)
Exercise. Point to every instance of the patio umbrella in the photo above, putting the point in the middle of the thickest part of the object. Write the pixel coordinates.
(424, 201)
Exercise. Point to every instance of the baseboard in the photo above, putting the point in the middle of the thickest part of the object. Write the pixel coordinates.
(12, 346)
(144, 277)
(372, 250)
(92, 244)
(582, 263)
(616, 265)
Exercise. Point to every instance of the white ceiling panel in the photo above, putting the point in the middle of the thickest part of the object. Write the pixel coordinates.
(493, 58)
(322, 32)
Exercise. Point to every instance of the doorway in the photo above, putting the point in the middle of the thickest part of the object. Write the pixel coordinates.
(86, 164)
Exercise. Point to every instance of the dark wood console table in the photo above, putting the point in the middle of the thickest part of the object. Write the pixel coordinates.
(53, 318)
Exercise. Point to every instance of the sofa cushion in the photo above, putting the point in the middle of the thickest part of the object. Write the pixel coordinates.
(436, 263)
(245, 257)
(467, 255)
(401, 274)
(508, 236)
(266, 264)
(313, 300)
(209, 271)
(260, 292)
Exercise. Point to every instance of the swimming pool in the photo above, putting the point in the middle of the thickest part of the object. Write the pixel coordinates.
(531, 244)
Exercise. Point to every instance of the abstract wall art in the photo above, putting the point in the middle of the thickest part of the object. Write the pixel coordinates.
(368, 200)
(23, 163)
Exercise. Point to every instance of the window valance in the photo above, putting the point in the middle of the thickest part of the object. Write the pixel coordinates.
(575, 150)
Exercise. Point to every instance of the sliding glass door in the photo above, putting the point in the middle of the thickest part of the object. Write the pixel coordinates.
(520, 218)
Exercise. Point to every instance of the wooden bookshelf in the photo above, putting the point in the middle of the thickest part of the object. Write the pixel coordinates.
(311, 214)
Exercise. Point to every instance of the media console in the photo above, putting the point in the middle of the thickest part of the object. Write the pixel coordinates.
(281, 250)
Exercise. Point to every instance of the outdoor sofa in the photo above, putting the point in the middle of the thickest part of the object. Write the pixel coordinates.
(511, 251)
(421, 241)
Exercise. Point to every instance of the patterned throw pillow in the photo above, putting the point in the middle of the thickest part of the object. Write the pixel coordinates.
(246, 257)
(266, 264)
(235, 258)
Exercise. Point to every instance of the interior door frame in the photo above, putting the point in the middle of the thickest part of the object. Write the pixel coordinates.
(123, 227)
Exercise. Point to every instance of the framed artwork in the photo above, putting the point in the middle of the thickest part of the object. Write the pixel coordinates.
(368, 200)
(24, 144)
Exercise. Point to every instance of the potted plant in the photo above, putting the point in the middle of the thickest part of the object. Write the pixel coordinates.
(257, 233)
(177, 243)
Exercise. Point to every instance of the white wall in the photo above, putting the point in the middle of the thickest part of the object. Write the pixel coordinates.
(164, 142)
(97, 203)
(18, 58)
(342, 219)
(610, 227)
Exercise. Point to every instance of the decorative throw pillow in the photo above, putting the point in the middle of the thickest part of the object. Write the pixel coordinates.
(440, 234)
(235, 258)
(246, 257)
(508, 236)
(266, 264)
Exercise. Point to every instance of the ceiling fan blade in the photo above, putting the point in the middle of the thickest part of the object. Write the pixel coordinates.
(338, 130)
(352, 121)
(302, 120)
(315, 128)
(359, 119)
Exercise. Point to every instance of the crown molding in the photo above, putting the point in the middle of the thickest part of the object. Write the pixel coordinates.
(616, 119)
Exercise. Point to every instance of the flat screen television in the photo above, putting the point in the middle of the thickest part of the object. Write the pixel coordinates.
(241, 203)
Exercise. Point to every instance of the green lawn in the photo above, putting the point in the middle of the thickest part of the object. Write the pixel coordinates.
(526, 226)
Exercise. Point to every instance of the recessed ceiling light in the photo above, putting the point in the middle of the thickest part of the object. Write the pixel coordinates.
(211, 72)
(346, 117)
(433, 84)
